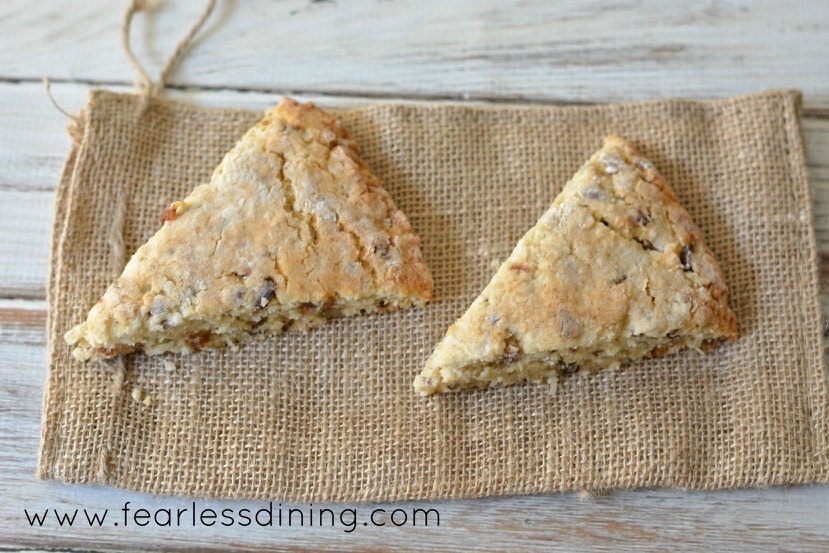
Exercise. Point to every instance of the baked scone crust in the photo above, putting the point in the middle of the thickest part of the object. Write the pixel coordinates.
(292, 228)
(615, 270)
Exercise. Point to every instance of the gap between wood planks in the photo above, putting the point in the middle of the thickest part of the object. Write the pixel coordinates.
(817, 111)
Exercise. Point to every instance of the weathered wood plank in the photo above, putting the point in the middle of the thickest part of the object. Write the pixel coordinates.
(744, 520)
(23, 322)
(25, 225)
(569, 50)
(33, 141)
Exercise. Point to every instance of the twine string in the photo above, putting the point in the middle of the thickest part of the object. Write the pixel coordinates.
(48, 86)
(144, 82)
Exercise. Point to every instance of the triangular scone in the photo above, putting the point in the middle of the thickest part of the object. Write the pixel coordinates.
(293, 228)
(615, 270)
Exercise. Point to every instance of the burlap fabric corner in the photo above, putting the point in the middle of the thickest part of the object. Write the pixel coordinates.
(330, 415)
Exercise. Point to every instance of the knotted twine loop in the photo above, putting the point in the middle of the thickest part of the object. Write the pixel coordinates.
(146, 88)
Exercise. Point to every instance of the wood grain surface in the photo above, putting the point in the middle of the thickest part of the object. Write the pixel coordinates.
(342, 53)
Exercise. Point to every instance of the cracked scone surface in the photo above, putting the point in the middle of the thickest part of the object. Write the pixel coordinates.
(293, 228)
(614, 271)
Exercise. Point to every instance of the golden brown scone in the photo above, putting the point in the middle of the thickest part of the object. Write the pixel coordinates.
(614, 271)
(293, 228)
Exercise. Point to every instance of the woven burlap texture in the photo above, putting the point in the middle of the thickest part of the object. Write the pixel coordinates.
(330, 415)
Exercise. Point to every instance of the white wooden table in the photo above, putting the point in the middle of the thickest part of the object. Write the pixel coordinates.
(346, 52)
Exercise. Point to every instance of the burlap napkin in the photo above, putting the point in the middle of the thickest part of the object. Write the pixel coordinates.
(330, 415)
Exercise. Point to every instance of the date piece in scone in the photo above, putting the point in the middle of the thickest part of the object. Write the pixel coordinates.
(293, 228)
(614, 271)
